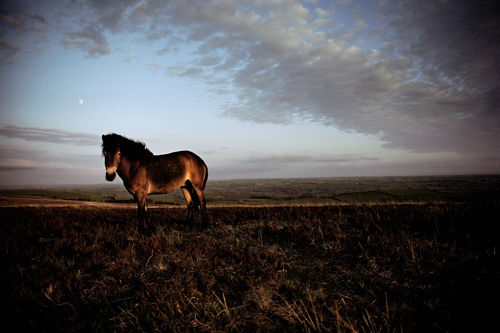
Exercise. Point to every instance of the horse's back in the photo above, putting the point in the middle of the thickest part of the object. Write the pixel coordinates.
(183, 157)
(175, 168)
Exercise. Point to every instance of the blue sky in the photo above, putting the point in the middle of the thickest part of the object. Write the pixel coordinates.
(257, 89)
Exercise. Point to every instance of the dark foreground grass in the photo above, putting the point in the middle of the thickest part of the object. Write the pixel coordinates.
(378, 268)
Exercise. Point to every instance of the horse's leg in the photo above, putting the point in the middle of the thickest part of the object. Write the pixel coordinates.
(203, 206)
(190, 205)
(142, 211)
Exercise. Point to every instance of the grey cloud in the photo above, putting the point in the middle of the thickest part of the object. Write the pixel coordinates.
(295, 158)
(19, 19)
(38, 18)
(9, 20)
(48, 135)
(209, 61)
(431, 85)
(241, 170)
(92, 41)
(17, 24)
(14, 175)
(172, 45)
(192, 71)
(155, 66)
(13, 152)
(219, 150)
(17, 153)
(163, 50)
(21, 165)
(7, 51)
(350, 166)
(420, 99)
(292, 165)
(16, 166)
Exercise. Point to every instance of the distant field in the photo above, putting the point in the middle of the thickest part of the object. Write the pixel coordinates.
(313, 191)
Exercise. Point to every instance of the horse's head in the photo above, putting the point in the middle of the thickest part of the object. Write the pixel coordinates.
(112, 154)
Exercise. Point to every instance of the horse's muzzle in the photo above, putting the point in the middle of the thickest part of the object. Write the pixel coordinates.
(110, 173)
(110, 176)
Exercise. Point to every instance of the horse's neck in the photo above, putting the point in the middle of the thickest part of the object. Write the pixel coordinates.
(125, 168)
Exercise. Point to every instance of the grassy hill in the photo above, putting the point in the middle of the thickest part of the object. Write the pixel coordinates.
(347, 268)
(276, 257)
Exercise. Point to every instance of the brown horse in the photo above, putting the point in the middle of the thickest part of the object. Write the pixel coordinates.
(144, 173)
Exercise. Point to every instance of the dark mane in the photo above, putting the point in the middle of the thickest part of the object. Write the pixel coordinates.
(133, 150)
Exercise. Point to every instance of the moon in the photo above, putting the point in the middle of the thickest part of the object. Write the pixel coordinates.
(80, 101)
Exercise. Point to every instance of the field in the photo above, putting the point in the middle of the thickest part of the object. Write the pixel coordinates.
(309, 191)
(392, 254)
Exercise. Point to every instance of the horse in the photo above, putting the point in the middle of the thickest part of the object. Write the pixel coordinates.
(144, 173)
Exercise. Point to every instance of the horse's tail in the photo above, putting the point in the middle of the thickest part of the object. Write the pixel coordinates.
(206, 176)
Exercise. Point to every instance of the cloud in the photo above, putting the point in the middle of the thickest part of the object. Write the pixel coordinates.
(308, 159)
(427, 83)
(352, 166)
(155, 66)
(293, 165)
(172, 45)
(7, 51)
(26, 165)
(15, 154)
(92, 41)
(22, 165)
(7, 165)
(300, 73)
(17, 18)
(9, 20)
(18, 25)
(425, 89)
(49, 135)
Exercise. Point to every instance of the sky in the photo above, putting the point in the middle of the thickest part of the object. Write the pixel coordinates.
(258, 89)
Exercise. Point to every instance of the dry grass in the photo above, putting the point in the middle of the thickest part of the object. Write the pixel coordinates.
(360, 268)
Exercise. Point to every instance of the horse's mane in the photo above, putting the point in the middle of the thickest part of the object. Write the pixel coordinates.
(133, 150)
